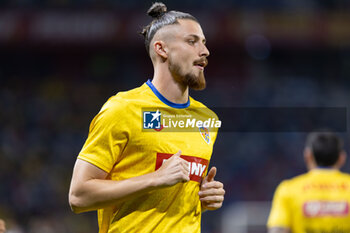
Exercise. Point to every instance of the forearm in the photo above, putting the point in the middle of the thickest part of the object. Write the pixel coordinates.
(95, 194)
(90, 190)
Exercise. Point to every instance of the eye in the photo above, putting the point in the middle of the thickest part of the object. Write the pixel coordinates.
(191, 42)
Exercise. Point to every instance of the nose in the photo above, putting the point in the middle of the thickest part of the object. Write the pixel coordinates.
(204, 52)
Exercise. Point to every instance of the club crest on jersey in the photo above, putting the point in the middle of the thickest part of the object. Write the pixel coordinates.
(152, 119)
(205, 134)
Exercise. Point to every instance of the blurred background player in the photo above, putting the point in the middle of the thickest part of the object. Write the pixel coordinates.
(319, 200)
(115, 170)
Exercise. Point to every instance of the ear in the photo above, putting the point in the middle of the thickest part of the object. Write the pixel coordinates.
(160, 49)
(309, 159)
(341, 160)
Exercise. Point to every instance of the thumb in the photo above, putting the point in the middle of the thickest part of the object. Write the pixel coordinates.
(178, 153)
(211, 174)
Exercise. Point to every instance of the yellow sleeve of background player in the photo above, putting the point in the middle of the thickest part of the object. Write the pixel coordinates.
(280, 215)
(108, 135)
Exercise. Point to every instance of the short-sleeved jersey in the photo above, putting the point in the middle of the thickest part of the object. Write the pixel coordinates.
(120, 143)
(315, 202)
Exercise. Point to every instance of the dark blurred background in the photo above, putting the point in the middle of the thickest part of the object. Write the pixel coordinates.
(60, 60)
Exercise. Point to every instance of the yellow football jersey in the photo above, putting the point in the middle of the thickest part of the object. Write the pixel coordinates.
(315, 202)
(132, 135)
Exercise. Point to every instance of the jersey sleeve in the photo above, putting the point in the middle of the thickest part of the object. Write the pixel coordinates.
(108, 135)
(280, 214)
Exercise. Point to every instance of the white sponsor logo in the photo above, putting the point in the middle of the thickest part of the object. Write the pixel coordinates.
(195, 168)
(326, 208)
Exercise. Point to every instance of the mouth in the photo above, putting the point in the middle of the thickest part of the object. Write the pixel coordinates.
(200, 67)
(201, 64)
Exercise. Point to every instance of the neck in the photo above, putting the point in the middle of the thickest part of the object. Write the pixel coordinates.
(168, 87)
(334, 167)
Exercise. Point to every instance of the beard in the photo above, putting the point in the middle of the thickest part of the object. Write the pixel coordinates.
(193, 81)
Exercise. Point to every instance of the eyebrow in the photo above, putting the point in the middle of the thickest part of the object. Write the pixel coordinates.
(198, 38)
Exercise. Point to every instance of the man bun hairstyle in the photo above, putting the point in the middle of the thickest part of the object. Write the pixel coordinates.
(326, 147)
(157, 10)
(161, 17)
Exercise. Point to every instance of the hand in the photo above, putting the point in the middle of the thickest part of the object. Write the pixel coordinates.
(173, 171)
(212, 192)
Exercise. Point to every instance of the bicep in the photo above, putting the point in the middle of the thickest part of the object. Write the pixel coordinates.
(84, 171)
(79, 193)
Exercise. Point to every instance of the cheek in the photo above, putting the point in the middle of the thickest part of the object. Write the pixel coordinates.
(184, 54)
(186, 61)
(181, 60)
(182, 57)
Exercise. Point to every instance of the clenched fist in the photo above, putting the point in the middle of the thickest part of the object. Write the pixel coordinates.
(173, 171)
(211, 192)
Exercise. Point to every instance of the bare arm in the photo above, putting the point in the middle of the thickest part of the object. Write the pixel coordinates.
(89, 189)
(278, 230)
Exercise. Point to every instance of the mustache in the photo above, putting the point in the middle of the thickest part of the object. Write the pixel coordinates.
(202, 61)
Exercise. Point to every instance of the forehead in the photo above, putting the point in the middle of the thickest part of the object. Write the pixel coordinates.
(185, 27)
(188, 27)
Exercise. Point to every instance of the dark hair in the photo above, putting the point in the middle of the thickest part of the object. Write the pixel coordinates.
(325, 146)
(161, 17)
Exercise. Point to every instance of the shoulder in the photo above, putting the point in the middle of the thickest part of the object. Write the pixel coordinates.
(298, 180)
(196, 103)
(128, 97)
(124, 99)
(204, 108)
(133, 94)
(116, 108)
(289, 185)
(284, 186)
(345, 176)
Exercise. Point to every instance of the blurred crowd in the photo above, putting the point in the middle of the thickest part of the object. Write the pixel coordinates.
(48, 96)
(188, 4)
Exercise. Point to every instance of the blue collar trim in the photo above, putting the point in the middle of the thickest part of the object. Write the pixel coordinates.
(164, 100)
(324, 168)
